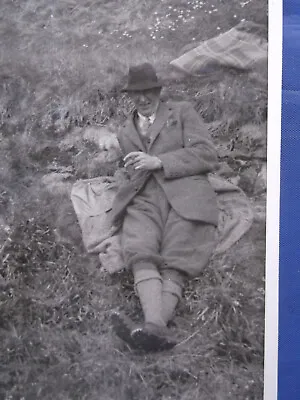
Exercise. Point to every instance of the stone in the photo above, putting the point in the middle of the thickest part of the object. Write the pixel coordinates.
(235, 180)
(225, 170)
(248, 179)
(253, 138)
(260, 209)
(261, 181)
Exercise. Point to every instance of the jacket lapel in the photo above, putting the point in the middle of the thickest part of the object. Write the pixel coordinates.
(133, 134)
(162, 116)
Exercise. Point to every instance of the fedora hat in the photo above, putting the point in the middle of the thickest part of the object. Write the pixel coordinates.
(142, 77)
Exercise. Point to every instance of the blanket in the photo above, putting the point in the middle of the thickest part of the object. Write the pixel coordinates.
(242, 48)
(92, 200)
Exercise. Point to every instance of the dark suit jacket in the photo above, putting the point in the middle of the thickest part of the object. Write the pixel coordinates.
(181, 140)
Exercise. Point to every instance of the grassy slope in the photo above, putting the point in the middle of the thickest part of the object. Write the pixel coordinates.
(62, 63)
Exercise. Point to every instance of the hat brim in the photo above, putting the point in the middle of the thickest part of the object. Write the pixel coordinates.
(140, 87)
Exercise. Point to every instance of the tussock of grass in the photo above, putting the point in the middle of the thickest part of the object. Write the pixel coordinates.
(62, 65)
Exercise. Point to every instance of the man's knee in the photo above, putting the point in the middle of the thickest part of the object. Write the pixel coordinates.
(140, 244)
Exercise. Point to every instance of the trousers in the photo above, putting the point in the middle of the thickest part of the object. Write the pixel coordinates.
(159, 243)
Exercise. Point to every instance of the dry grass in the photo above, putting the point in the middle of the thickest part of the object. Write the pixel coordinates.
(62, 64)
(56, 338)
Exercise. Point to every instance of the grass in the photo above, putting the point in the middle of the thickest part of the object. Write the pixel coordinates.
(62, 65)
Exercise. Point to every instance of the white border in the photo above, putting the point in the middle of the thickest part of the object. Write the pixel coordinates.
(273, 198)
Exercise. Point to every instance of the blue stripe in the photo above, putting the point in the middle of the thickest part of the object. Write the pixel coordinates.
(289, 259)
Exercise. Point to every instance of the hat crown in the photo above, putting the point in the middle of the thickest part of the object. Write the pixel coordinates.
(142, 73)
(142, 77)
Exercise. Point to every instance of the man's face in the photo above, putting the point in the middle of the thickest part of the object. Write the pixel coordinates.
(146, 101)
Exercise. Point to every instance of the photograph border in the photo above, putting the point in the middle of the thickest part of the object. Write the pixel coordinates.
(289, 260)
(273, 198)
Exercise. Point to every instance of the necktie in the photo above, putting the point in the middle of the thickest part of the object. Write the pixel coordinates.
(145, 125)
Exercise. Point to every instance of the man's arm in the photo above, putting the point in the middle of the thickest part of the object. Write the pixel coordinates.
(198, 156)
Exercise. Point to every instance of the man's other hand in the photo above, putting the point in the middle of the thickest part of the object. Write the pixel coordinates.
(142, 161)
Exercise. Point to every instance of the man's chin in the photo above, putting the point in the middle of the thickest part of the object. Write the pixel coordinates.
(145, 112)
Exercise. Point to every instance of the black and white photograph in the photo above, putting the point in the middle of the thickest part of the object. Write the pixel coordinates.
(133, 183)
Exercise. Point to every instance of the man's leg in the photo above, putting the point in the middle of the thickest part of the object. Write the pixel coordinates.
(154, 334)
(172, 285)
(141, 237)
(148, 285)
(186, 249)
(187, 245)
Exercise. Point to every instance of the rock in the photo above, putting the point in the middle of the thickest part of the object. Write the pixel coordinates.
(103, 138)
(248, 179)
(235, 180)
(223, 149)
(253, 139)
(260, 209)
(95, 134)
(256, 133)
(225, 170)
(261, 181)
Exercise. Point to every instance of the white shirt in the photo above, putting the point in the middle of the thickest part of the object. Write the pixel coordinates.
(144, 119)
(145, 122)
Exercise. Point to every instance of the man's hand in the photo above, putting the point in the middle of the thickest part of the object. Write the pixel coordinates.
(142, 161)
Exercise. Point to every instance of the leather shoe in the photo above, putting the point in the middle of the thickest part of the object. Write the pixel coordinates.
(152, 338)
(123, 326)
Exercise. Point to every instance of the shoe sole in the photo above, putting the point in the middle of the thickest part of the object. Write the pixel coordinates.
(150, 342)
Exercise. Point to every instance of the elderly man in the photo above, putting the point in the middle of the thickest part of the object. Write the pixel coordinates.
(167, 209)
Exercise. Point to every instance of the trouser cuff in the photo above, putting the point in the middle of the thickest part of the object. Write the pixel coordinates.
(145, 271)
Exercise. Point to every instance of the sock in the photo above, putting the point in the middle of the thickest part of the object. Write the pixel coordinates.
(169, 303)
(150, 295)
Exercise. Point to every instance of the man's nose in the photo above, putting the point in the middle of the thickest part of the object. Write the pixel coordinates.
(142, 97)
